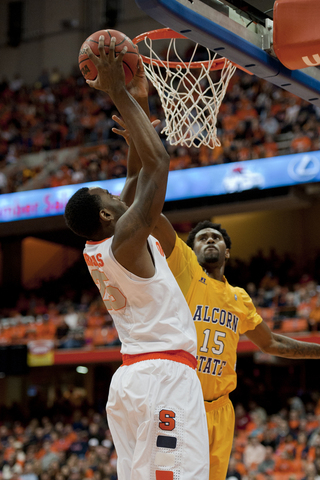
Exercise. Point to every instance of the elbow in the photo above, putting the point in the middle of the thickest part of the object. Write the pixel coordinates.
(162, 161)
(132, 177)
(264, 349)
(165, 158)
(270, 348)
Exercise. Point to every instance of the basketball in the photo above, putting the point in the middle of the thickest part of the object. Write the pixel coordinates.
(130, 59)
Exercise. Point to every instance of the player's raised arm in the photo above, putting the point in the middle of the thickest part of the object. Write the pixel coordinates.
(134, 226)
(138, 88)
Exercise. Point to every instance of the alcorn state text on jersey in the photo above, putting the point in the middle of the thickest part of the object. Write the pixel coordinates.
(217, 324)
(217, 316)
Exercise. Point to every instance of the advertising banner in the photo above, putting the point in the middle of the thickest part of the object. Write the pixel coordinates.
(213, 180)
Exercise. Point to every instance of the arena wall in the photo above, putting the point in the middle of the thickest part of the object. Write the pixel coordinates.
(54, 31)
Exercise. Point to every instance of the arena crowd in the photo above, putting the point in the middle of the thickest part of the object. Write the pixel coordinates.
(287, 298)
(256, 120)
(72, 441)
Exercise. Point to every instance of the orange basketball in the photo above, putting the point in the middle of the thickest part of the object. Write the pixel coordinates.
(130, 59)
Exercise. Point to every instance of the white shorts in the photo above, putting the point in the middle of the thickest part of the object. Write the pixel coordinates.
(158, 422)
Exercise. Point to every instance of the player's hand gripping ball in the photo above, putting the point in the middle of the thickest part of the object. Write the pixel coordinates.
(130, 59)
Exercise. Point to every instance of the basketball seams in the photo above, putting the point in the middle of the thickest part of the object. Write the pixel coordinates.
(124, 39)
(128, 66)
(128, 53)
(116, 45)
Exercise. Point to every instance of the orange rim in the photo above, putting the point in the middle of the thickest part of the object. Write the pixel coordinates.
(168, 33)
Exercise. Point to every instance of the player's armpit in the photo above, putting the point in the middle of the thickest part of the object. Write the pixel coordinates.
(165, 233)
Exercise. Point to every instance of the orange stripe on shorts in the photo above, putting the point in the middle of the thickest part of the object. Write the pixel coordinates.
(180, 356)
(164, 475)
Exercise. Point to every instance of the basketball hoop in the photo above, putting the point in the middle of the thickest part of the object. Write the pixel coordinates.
(189, 96)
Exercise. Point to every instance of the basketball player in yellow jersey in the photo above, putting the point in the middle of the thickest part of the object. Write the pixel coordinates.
(220, 312)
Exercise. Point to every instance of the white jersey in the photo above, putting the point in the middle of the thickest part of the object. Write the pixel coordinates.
(150, 314)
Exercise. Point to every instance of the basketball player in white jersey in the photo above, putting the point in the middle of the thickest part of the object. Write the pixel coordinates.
(155, 406)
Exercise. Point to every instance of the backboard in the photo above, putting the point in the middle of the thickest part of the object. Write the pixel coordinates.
(239, 30)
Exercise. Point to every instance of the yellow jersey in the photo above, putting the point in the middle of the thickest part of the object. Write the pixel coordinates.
(221, 313)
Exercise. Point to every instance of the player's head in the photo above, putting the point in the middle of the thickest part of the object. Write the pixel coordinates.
(208, 224)
(210, 242)
(93, 212)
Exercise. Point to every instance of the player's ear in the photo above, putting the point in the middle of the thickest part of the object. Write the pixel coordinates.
(227, 254)
(105, 215)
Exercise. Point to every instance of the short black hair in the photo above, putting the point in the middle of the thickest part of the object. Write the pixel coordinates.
(82, 213)
(208, 224)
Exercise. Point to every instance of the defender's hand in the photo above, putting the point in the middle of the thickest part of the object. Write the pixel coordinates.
(139, 86)
(125, 132)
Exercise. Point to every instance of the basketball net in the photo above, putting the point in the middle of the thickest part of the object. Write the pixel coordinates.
(189, 97)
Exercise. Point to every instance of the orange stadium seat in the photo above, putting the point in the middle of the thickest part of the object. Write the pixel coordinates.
(95, 320)
(104, 336)
(287, 476)
(89, 335)
(240, 441)
(267, 313)
(45, 331)
(294, 325)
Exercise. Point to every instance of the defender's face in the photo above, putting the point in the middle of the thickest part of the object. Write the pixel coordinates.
(209, 246)
(109, 201)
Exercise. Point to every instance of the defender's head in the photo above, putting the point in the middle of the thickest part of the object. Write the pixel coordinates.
(93, 212)
(210, 242)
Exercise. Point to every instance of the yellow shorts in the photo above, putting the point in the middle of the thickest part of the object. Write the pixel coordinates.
(220, 418)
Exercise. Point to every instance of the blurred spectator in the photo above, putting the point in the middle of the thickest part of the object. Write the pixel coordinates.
(242, 419)
(314, 315)
(269, 439)
(301, 142)
(28, 472)
(48, 456)
(268, 464)
(43, 80)
(80, 446)
(62, 330)
(311, 472)
(270, 125)
(55, 76)
(74, 339)
(254, 452)
(16, 83)
(301, 449)
(232, 473)
(296, 405)
(71, 317)
(283, 431)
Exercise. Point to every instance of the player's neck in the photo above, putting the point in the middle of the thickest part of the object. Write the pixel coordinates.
(102, 234)
(216, 273)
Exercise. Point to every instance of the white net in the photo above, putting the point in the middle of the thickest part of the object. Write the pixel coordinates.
(189, 96)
